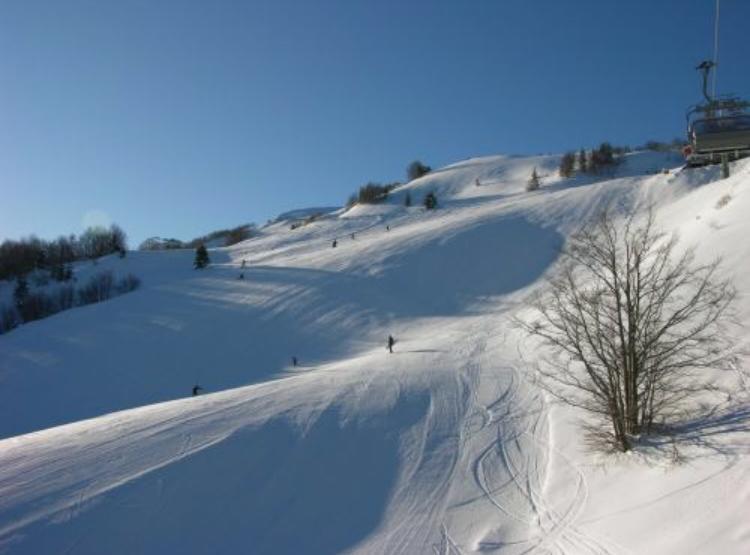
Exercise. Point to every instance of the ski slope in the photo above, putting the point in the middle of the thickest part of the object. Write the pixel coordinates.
(445, 446)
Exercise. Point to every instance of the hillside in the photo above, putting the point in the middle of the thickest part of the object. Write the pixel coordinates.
(445, 446)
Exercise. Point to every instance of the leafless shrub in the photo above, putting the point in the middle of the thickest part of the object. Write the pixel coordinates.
(630, 325)
(127, 284)
(8, 318)
(66, 297)
(98, 289)
(723, 201)
(36, 306)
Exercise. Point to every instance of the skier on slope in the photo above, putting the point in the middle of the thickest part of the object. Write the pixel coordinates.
(196, 389)
(391, 342)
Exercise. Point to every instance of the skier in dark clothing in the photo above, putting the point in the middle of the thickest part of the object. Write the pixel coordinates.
(335, 243)
(243, 263)
(294, 361)
(391, 342)
(196, 389)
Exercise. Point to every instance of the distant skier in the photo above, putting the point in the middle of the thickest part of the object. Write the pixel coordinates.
(335, 242)
(196, 389)
(242, 276)
(387, 228)
(243, 262)
(353, 236)
(477, 183)
(391, 342)
(294, 361)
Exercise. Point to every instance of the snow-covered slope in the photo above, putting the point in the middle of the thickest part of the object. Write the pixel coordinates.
(444, 446)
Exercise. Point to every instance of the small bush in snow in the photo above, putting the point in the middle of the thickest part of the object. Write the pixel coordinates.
(21, 291)
(723, 201)
(36, 306)
(66, 298)
(534, 181)
(127, 284)
(8, 318)
(97, 289)
(201, 257)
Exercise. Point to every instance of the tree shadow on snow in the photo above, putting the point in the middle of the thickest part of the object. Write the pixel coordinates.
(722, 430)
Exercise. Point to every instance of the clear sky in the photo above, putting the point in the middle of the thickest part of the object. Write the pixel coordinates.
(175, 118)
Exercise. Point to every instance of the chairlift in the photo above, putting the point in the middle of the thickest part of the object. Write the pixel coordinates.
(718, 129)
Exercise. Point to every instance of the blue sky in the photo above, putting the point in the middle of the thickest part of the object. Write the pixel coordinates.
(175, 118)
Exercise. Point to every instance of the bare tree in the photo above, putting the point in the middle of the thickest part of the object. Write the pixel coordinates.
(631, 326)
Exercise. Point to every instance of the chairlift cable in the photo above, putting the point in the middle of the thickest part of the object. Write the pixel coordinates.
(716, 50)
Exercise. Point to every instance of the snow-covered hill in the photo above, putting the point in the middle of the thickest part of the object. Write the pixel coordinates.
(444, 446)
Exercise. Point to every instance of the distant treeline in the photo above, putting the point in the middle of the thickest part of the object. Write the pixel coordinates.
(372, 192)
(29, 306)
(19, 258)
(593, 161)
(229, 237)
(606, 156)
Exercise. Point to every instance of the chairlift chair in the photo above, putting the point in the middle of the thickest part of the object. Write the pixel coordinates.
(717, 128)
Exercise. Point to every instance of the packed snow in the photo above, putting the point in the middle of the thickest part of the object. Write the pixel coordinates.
(446, 446)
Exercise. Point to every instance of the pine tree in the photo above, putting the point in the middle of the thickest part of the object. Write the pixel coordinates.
(430, 201)
(583, 166)
(534, 181)
(407, 199)
(567, 164)
(416, 170)
(201, 257)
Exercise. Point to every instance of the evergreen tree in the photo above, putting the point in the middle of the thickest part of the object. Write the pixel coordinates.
(601, 157)
(534, 181)
(21, 292)
(567, 164)
(583, 166)
(416, 170)
(201, 257)
(430, 201)
(407, 199)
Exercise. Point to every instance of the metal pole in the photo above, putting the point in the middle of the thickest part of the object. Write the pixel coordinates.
(724, 165)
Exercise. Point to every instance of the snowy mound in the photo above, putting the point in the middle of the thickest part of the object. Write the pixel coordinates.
(444, 446)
